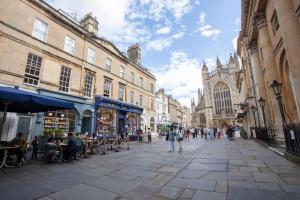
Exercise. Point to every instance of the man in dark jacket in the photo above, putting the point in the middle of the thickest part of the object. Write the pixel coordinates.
(70, 148)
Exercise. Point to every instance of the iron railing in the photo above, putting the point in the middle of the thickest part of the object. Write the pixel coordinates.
(264, 134)
(292, 138)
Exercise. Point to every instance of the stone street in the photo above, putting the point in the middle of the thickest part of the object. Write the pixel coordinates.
(217, 170)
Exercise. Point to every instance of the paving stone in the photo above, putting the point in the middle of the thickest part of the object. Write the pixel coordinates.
(137, 195)
(196, 184)
(169, 192)
(238, 193)
(247, 169)
(209, 195)
(221, 186)
(188, 173)
(187, 194)
(208, 167)
(115, 185)
(290, 188)
(23, 190)
(168, 169)
(83, 191)
(210, 161)
(269, 186)
(147, 189)
(267, 177)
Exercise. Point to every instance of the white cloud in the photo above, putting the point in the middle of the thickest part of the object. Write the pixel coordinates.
(181, 77)
(162, 43)
(163, 30)
(234, 42)
(123, 21)
(158, 44)
(237, 21)
(159, 8)
(205, 29)
(202, 17)
(112, 25)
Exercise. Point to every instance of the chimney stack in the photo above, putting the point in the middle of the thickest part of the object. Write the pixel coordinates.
(134, 54)
(90, 23)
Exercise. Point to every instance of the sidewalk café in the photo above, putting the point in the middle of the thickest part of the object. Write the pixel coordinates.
(116, 117)
(20, 101)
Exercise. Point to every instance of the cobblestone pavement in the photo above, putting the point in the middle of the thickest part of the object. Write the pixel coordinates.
(217, 170)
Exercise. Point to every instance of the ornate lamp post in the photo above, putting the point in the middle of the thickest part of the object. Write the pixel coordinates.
(277, 89)
(262, 103)
(253, 108)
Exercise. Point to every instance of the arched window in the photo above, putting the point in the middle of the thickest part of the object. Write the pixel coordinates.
(222, 99)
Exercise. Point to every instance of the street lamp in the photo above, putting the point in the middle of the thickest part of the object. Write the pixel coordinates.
(253, 108)
(277, 89)
(262, 103)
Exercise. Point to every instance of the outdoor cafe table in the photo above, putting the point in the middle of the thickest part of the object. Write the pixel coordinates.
(6, 148)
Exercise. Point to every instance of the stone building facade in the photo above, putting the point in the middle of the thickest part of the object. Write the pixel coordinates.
(175, 111)
(162, 109)
(44, 51)
(216, 104)
(186, 117)
(269, 47)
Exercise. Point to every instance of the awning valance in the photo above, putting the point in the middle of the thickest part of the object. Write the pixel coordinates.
(106, 102)
(21, 101)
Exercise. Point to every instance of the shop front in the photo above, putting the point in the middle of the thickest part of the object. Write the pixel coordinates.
(116, 117)
(79, 119)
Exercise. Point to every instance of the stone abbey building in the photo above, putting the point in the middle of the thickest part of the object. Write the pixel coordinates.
(216, 102)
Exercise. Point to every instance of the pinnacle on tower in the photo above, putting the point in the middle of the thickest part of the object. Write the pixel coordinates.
(204, 67)
(219, 64)
(231, 59)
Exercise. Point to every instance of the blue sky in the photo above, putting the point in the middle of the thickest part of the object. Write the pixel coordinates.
(175, 35)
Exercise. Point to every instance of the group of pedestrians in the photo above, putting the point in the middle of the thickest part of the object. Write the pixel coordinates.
(179, 134)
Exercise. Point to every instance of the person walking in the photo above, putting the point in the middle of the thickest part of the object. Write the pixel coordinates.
(180, 139)
(171, 138)
(149, 135)
(205, 133)
(211, 133)
(202, 133)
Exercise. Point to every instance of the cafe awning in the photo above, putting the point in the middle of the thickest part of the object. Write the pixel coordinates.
(21, 101)
(106, 102)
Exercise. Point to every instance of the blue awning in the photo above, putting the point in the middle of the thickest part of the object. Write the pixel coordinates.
(21, 101)
(106, 102)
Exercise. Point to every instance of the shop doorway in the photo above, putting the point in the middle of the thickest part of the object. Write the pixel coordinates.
(86, 122)
(121, 123)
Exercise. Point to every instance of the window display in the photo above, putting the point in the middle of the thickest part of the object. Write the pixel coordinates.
(132, 122)
(61, 119)
(106, 122)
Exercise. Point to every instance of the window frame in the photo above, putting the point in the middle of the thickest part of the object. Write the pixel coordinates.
(88, 81)
(36, 68)
(62, 76)
(34, 30)
(68, 45)
(106, 89)
(121, 86)
(132, 97)
(108, 67)
(141, 100)
(88, 56)
(122, 72)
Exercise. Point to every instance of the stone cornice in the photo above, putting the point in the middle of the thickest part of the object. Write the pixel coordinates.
(260, 20)
(252, 46)
(245, 16)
